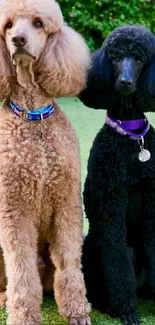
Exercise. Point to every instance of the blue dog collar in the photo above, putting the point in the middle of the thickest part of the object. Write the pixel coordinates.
(37, 115)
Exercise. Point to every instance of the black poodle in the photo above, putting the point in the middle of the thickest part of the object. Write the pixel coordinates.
(119, 193)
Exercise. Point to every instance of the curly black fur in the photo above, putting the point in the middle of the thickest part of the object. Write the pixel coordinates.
(119, 193)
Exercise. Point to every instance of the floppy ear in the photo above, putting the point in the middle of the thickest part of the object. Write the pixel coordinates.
(99, 81)
(7, 70)
(63, 65)
(146, 83)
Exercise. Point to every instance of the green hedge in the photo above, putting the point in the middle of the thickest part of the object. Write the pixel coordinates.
(94, 19)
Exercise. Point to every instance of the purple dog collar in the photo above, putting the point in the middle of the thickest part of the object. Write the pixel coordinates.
(125, 127)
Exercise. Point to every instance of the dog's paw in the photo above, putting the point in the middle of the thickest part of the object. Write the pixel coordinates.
(80, 321)
(130, 319)
(3, 299)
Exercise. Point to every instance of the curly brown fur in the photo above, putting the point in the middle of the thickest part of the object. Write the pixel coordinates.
(61, 70)
(40, 200)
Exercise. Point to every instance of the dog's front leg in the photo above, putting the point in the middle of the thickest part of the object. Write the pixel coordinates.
(65, 250)
(24, 293)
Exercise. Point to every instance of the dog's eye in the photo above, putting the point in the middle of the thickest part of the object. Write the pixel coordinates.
(38, 23)
(139, 60)
(9, 25)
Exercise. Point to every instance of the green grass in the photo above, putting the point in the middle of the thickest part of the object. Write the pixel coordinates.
(87, 122)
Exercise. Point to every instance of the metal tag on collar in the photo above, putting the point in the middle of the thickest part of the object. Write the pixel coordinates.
(24, 116)
(41, 126)
(144, 154)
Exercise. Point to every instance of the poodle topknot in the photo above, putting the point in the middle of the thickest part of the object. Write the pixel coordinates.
(48, 10)
(136, 40)
(41, 58)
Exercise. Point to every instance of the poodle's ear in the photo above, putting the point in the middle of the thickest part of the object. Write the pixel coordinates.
(7, 70)
(62, 68)
(99, 81)
(146, 83)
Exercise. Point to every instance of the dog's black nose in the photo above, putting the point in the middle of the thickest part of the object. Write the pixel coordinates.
(19, 40)
(126, 83)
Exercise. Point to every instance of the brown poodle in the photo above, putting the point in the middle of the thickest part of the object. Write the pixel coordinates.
(40, 201)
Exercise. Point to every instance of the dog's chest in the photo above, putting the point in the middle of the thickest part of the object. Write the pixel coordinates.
(32, 159)
(35, 149)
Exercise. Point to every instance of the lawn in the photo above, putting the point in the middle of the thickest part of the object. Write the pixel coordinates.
(87, 122)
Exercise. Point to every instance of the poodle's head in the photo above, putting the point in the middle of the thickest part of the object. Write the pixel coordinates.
(34, 32)
(123, 69)
(130, 49)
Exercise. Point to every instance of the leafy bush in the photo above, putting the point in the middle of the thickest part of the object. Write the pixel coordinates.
(94, 19)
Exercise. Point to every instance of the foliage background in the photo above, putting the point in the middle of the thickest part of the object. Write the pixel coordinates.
(94, 19)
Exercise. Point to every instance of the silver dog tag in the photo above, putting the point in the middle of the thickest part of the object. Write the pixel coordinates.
(144, 155)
